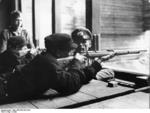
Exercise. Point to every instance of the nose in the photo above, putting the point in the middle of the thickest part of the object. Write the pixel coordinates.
(18, 22)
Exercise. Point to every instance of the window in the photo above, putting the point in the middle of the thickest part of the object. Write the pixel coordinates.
(43, 17)
(27, 15)
(38, 19)
(43, 20)
(69, 15)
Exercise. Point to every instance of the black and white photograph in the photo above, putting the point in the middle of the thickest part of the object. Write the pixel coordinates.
(74, 54)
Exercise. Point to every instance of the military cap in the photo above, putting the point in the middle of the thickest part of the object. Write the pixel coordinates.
(79, 35)
(61, 41)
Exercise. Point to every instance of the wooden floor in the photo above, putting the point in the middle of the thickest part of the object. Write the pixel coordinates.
(96, 94)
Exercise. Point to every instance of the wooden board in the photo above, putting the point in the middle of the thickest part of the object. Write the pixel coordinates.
(26, 105)
(89, 93)
(139, 100)
(81, 97)
(52, 103)
(100, 89)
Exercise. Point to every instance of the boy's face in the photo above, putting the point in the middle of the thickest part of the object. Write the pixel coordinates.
(20, 51)
(86, 45)
(84, 40)
(71, 52)
(17, 22)
(23, 51)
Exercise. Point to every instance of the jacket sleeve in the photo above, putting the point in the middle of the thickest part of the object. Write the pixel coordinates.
(71, 80)
(3, 41)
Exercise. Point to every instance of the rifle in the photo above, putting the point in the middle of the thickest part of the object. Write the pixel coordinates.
(120, 52)
(102, 55)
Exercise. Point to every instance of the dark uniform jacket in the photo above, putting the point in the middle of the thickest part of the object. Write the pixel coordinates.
(44, 72)
(10, 59)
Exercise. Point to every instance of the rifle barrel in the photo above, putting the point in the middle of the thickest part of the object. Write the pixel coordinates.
(116, 52)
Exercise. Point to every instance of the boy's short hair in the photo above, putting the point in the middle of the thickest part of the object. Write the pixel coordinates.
(15, 14)
(16, 42)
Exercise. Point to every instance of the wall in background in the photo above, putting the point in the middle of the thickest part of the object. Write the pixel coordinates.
(146, 14)
(119, 23)
(146, 20)
(4, 14)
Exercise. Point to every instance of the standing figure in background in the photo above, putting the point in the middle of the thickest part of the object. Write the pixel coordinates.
(15, 29)
(83, 38)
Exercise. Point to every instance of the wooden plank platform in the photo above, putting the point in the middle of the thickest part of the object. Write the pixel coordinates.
(137, 100)
(90, 94)
(25, 105)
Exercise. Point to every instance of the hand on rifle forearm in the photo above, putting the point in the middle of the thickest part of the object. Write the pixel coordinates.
(80, 57)
(98, 60)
